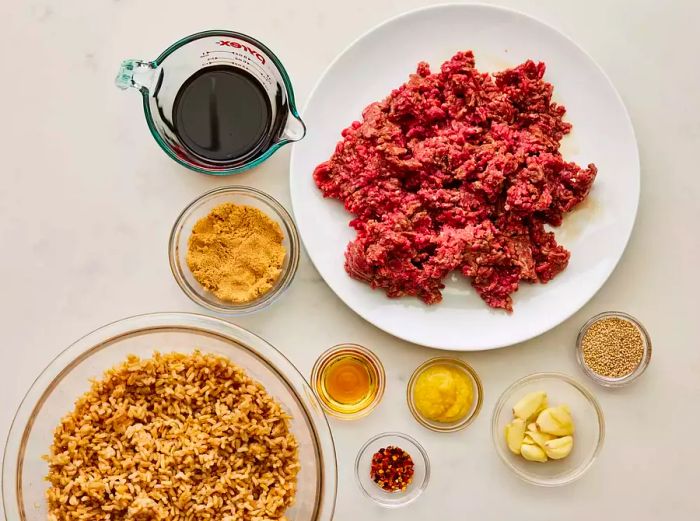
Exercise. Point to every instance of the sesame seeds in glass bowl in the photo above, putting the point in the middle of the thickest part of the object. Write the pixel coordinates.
(613, 348)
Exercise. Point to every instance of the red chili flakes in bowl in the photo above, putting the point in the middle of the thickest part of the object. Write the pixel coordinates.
(392, 469)
(457, 170)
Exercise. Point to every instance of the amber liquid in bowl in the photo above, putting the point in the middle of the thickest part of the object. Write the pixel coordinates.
(348, 380)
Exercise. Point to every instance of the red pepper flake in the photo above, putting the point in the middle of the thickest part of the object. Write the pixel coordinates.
(392, 469)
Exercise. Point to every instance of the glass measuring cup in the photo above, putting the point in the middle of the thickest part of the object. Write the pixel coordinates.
(161, 80)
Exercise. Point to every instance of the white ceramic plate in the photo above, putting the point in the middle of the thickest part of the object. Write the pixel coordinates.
(596, 233)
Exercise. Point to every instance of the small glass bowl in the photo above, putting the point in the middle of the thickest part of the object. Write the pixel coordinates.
(607, 381)
(476, 403)
(588, 422)
(328, 357)
(199, 208)
(421, 470)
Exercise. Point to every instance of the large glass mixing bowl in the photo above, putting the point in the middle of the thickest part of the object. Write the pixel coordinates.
(68, 376)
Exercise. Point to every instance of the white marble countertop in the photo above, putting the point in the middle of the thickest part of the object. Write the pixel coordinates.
(88, 199)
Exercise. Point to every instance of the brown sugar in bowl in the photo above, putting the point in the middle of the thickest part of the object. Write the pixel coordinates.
(200, 208)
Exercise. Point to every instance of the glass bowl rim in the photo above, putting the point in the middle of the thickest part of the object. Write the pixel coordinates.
(606, 381)
(424, 454)
(286, 277)
(496, 434)
(478, 389)
(374, 361)
(81, 350)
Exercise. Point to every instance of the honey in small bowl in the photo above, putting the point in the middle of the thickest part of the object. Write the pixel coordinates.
(348, 380)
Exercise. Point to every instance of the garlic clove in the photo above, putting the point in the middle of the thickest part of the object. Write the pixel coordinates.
(562, 414)
(532, 427)
(546, 423)
(514, 432)
(533, 453)
(540, 438)
(541, 408)
(559, 448)
(529, 405)
(556, 421)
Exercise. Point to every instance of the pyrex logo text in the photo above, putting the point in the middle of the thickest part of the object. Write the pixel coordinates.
(236, 45)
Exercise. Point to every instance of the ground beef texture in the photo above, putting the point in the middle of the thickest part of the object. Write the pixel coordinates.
(457, 170)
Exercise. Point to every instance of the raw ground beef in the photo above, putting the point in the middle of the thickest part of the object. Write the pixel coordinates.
(457, 170)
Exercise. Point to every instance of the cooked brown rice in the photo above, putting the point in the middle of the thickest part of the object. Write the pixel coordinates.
(173, 437)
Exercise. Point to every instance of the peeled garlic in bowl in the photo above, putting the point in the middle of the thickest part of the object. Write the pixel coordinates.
(539, 432)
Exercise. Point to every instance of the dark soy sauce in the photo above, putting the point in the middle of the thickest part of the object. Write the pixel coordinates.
(222, 113)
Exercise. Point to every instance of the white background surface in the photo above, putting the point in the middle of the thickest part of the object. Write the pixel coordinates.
(87, 201)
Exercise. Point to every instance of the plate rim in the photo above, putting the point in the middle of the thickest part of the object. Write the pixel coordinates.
(627, 121)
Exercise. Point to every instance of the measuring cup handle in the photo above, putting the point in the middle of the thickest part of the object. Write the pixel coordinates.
(294, 129)
(137, 74)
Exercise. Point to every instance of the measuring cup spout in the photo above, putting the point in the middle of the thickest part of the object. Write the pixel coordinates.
(135, 74)
(294, 130)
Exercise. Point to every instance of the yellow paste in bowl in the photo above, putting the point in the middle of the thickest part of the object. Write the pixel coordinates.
(443, 393)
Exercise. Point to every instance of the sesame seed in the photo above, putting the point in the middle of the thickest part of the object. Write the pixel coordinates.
(613, 347)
